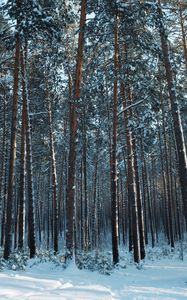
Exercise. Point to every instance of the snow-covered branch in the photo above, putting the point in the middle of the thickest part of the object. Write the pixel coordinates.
(130, 106)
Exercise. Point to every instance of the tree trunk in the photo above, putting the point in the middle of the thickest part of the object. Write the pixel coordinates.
(178, 130)
(21, 199)
(3, 169)
(134, 239)
(9, 206)
(54, 179)
(31, 223)
(139, 201)
(144, 190)
(86, 229)
(183, 32)
(114, 210)
(73, 135)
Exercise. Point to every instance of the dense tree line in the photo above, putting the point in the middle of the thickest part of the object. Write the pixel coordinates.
(93, 125)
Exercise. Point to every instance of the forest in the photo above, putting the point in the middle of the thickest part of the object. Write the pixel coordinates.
(93, 126)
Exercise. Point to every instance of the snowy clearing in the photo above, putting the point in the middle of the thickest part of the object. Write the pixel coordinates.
(162, 279)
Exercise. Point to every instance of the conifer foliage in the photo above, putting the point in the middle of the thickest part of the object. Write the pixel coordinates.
(93, 126)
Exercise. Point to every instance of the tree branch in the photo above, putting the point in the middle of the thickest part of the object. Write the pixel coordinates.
(130, 106)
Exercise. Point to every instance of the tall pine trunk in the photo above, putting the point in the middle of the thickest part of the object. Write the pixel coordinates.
(54, 180)
(21, 199)
(73, 136)
(9, 206)
(178, 130)
(114, 211)
(184, 42)
(31, 217)
(3, 152)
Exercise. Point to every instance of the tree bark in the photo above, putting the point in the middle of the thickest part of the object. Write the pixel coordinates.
(183, 32)
(21, 199)
(178, 130)
(114, 211)
(73, 136)
(54, 179)
(31, 218)
(9, 206)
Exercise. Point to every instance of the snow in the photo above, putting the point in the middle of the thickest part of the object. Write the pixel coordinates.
(160, 279)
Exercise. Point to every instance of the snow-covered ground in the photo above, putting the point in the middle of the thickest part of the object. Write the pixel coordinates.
(158, 279)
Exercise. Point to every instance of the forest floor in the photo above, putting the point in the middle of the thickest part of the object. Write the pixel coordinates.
(161, 277)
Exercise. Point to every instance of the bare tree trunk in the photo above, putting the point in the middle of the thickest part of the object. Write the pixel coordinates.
(144, 190)
(31, 219)
(114, 213)
(150, 208)
(167, 185)
(9, 206)
(73, 135)
(54, 180)
(139, 201)
(134, 238)
(178, 130)
(3, 170)
(86, 227)
(183, 31)
(165, 195)
(4, 200)
(153, 195)
(94, 216)
(21, 199)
